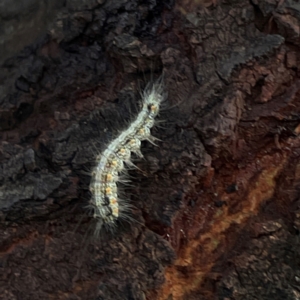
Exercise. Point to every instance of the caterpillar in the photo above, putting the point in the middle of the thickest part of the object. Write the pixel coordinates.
(106, 204)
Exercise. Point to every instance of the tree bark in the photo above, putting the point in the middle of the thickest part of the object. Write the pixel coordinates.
(216, 203)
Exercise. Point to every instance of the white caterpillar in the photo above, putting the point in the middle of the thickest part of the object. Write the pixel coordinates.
(106, 204)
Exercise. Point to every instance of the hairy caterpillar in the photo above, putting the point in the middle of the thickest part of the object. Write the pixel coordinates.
(106, 204)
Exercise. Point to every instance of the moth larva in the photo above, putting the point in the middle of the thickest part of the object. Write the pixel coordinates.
(106, 204)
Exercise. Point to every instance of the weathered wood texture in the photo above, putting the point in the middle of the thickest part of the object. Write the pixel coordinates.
(216, 203)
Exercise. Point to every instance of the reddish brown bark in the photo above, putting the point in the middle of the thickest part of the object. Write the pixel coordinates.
(216, 203)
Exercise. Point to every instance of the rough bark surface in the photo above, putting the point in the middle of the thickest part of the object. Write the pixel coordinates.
(217, 204)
